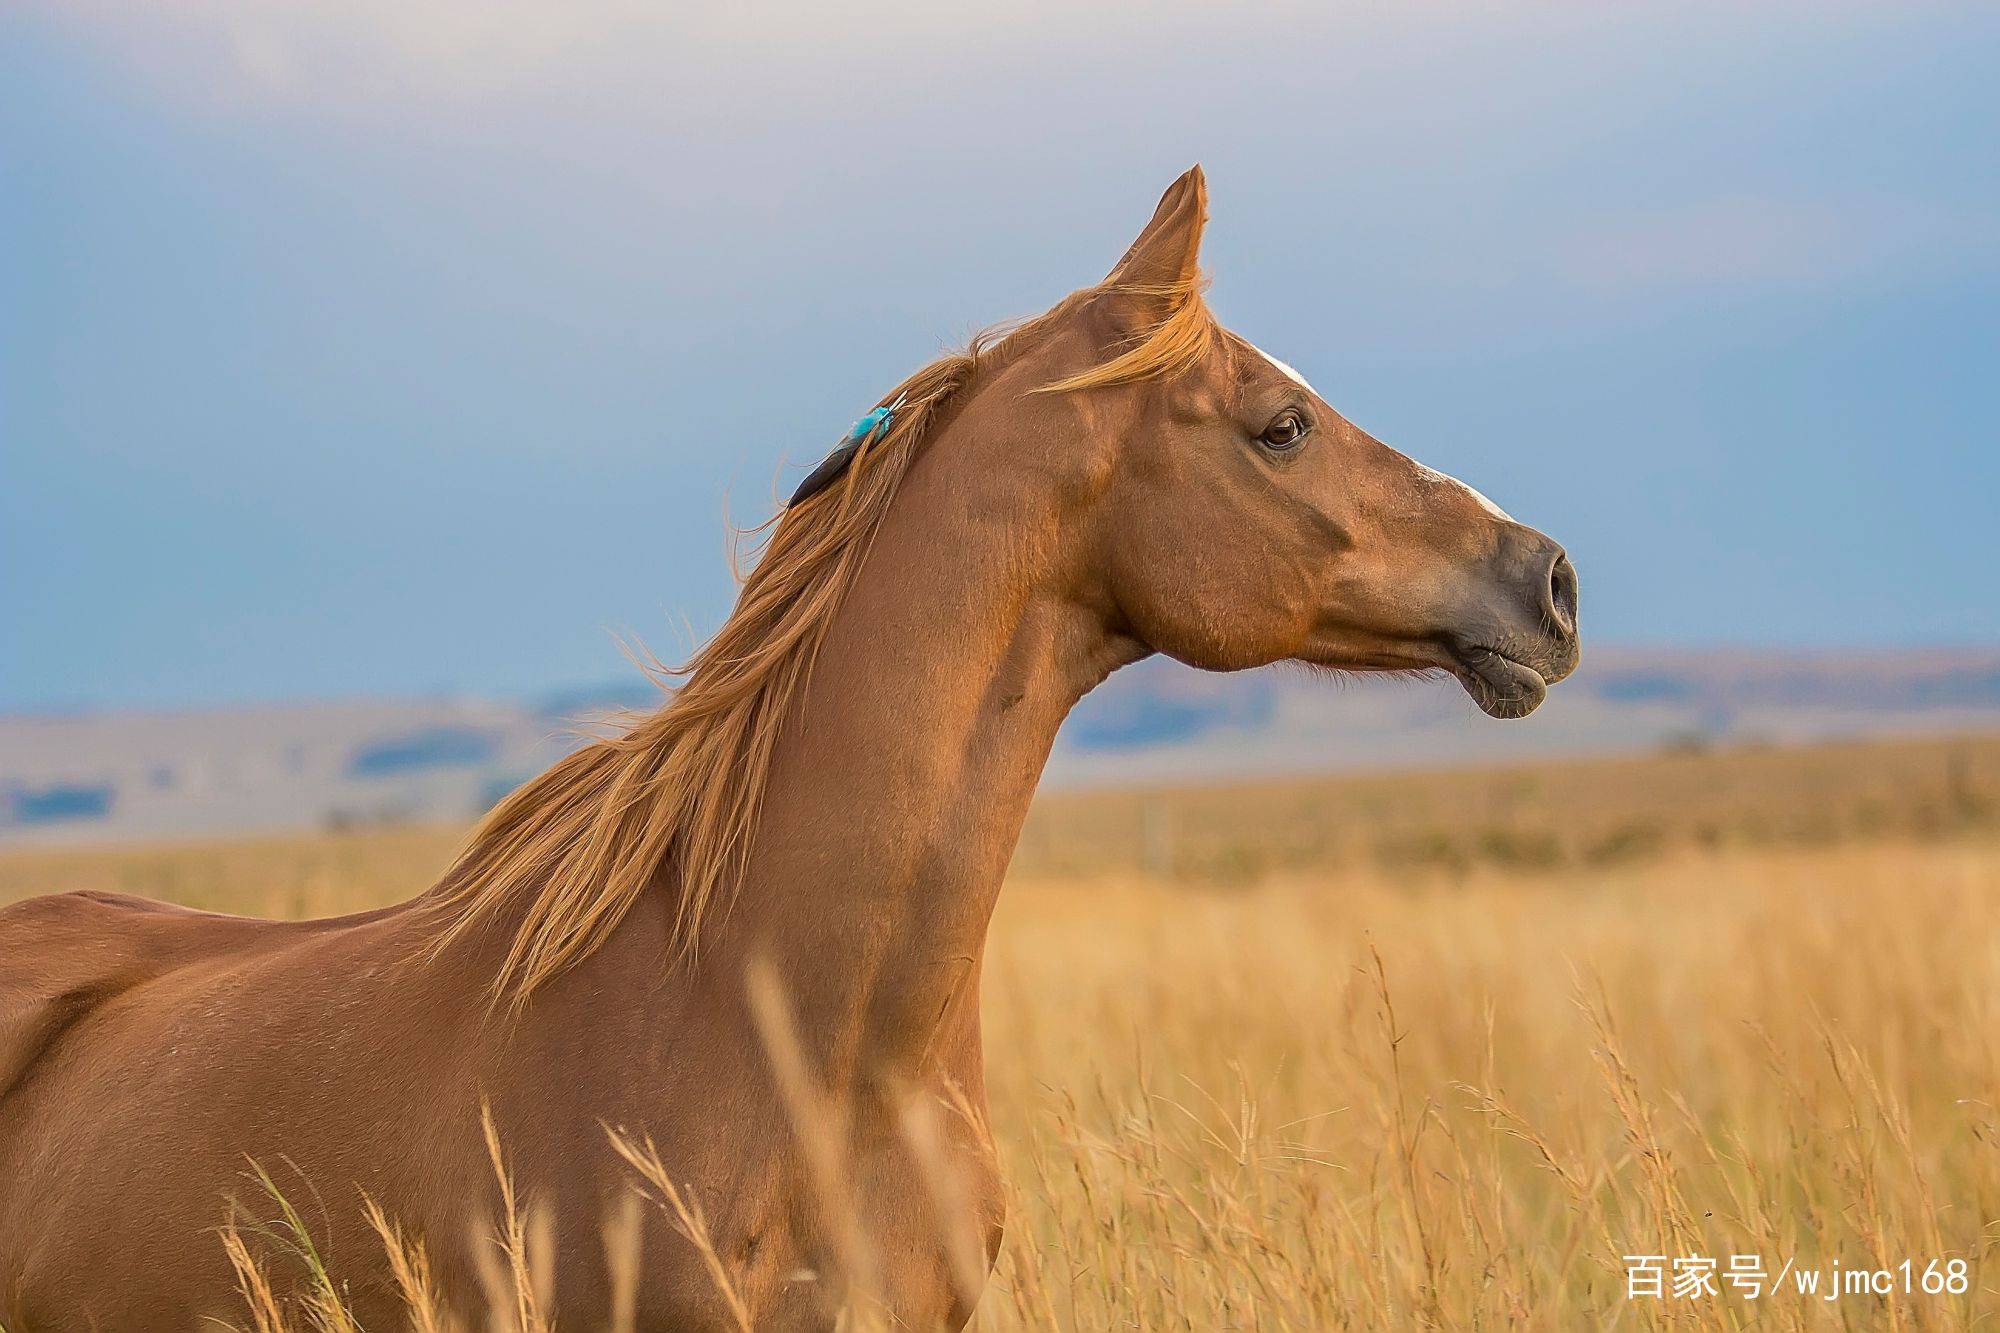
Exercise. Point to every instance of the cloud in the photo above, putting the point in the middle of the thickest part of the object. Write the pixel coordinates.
(354, 53)
(1539, 162)
(352, 56)
(370, 57)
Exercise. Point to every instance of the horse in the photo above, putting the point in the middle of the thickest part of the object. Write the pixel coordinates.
(745, 930)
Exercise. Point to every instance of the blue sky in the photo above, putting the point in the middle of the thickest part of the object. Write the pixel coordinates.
(376, 347)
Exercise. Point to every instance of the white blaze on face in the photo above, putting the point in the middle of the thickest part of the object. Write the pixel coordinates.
(1283, 369)
(1428, 474)
(1437, 478)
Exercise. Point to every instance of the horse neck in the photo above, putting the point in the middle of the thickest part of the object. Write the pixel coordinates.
(897, 796)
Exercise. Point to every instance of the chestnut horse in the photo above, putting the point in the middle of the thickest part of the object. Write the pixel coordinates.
(749, 927)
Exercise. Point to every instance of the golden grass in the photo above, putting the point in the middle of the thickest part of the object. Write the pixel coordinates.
(1364, 1105)
(1372, 1094)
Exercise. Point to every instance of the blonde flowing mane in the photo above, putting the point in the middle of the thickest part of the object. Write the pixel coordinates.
(675, 797)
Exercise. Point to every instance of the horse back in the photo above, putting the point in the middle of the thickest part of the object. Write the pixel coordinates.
(64, 955)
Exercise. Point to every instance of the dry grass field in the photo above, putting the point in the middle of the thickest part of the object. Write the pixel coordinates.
(1443, 1050)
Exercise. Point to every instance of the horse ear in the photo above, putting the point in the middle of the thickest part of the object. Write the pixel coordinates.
(1167, 255)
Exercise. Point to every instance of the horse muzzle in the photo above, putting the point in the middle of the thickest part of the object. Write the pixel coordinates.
(1519, 635)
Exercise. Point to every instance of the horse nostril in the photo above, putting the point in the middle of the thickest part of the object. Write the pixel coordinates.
(1562, 594)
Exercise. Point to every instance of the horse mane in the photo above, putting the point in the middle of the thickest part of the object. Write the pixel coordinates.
(676, 794)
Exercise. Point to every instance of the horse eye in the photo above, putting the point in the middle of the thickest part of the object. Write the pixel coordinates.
(1284, 433)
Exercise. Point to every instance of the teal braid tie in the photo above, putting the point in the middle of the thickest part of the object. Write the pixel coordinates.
(836, 462)
(867, 426)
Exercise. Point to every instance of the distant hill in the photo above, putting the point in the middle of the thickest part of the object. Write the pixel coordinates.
(1161, 720)
(93, 775)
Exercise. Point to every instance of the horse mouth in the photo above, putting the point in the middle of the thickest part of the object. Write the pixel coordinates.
(1502, 686)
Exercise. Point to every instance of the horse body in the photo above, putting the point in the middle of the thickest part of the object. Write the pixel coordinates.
(857, 750)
